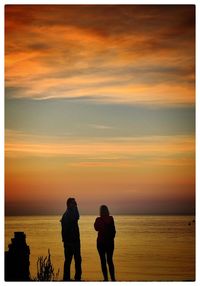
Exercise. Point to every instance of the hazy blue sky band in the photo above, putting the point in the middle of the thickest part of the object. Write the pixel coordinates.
(87, 119)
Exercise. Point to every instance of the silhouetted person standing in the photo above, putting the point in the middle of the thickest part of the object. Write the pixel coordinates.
(105, 241)
(71, 240)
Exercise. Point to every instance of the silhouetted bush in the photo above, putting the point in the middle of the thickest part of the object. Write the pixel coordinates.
(45, 270)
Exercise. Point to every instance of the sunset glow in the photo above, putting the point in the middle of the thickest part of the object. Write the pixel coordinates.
(100, 105)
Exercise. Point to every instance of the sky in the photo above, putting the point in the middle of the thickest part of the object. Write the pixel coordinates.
(100, 106)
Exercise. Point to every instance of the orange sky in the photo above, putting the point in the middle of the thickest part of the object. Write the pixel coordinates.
(100, 105)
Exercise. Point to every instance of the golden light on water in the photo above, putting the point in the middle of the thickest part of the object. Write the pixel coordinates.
(147, 248)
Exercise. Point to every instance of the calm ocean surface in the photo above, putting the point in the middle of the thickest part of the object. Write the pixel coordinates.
(147, 248)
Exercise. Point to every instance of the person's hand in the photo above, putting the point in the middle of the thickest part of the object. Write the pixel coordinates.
(74, 203)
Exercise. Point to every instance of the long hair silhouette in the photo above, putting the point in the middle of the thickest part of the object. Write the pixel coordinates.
(105, 241)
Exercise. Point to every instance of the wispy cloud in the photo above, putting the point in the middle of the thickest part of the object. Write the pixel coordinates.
(101, 126)
(111, 152)
(137, 54)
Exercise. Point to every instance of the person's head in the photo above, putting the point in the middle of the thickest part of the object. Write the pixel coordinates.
(71, 202)
(104, 211)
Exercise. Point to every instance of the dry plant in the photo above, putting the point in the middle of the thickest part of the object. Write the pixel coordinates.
(45, 270)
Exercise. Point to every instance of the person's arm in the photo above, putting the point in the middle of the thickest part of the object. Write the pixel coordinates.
(65, 222)
(76, 213)
(113, 227)
(98, 225)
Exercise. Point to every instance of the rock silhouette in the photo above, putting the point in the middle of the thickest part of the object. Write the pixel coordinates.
(17, 259)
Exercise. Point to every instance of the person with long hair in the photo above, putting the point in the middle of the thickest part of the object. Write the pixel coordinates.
(105, 241)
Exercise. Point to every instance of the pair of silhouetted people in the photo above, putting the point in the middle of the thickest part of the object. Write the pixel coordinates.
(71, 239)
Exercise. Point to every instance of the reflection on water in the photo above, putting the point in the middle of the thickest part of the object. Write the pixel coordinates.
(147, 248)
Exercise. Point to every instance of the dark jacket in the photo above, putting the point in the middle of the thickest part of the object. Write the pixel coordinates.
(106, 229)
(70, 229)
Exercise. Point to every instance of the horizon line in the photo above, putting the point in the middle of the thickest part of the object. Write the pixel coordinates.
(114, 214)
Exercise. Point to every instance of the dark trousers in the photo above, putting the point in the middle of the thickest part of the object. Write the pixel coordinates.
(72, 249)
(106, 255)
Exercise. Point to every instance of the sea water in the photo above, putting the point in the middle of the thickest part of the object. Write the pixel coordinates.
(147, 248)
